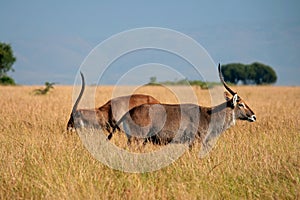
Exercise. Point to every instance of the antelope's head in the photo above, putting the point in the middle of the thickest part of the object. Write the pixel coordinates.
(241, 110)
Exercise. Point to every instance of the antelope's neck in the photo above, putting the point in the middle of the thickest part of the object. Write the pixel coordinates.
(223, 115)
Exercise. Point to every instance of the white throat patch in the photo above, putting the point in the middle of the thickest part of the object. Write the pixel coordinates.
(233, 118)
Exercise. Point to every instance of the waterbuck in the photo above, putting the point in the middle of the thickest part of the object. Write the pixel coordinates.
(107, 115)
(183, 123)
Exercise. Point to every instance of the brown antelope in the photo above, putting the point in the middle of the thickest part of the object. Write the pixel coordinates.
(107, 115)
(182, 123)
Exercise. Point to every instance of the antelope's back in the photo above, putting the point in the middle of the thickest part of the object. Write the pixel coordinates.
(121, 105)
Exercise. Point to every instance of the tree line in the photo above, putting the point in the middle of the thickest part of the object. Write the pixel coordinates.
(234, 73)
(202, 84)
(255, 73)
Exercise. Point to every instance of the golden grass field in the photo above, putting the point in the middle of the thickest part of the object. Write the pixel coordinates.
(39, 159)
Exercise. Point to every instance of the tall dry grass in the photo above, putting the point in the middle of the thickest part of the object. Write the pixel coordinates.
(38, 159)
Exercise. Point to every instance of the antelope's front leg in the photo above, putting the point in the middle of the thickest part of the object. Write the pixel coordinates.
(208, 144)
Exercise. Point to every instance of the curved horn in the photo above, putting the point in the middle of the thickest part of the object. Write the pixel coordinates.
(80, 94)
(222, 80)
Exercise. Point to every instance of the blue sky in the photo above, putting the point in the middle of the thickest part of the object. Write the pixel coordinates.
(51, 39)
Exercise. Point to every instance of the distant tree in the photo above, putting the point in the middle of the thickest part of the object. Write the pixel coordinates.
(255, 73)
(263, 74)
(7, 60)
(152, 79)
(47, 88)
(233, 72)
(6, 80)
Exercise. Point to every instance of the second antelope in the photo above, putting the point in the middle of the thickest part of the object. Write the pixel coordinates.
(107, 115)
(183, 123)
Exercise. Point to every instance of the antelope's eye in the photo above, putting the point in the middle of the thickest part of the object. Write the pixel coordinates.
(241, 105)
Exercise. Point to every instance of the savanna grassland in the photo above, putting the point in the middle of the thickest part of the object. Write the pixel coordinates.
(39, 159)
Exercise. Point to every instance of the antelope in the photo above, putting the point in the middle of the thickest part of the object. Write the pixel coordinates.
(183, 123)
(107, 115)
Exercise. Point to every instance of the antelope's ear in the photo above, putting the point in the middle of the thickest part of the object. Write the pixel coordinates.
(235, 99)
(227, 96)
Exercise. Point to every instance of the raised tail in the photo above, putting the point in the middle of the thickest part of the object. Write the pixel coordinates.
(70, 124)
(80, 94)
